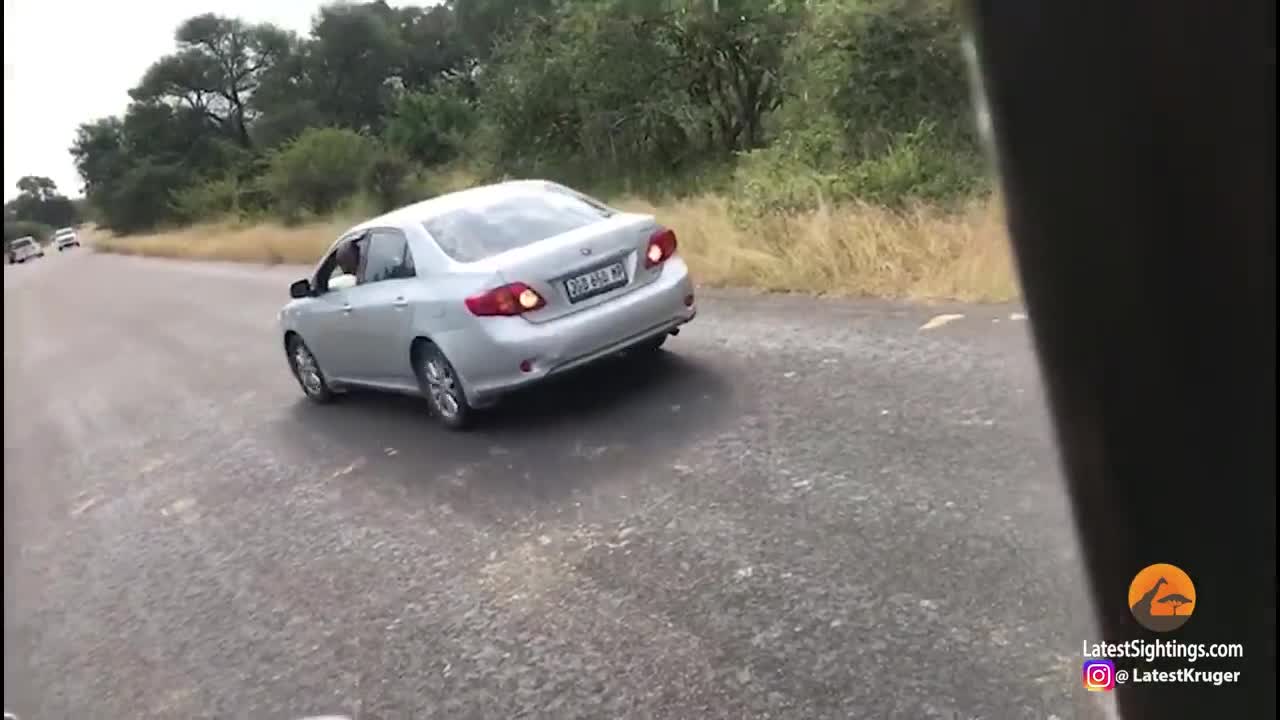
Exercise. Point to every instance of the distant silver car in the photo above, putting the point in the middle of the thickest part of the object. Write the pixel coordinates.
(470, 295)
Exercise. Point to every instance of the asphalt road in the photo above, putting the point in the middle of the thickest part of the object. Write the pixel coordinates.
(806, 509)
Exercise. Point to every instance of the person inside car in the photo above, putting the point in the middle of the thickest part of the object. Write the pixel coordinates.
(348, 259)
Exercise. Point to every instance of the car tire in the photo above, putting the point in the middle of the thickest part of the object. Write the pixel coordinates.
(441, 387)
(306, 370)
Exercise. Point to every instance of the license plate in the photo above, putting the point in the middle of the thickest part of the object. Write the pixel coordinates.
(581, 287)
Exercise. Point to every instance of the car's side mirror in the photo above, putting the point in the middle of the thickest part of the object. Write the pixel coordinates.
(300, 289)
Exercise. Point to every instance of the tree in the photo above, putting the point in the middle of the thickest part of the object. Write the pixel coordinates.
(1176, 600)
(219, 64)
(484, 24)
(791, 99)
(38, 187)
(152, 152)
(432, 51)
(39, 201)
(99, 154)
(431, 127)
(354, 54)
(733, 56)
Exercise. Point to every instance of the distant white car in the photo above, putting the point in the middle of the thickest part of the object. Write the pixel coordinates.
(24, 249)
(65, 238)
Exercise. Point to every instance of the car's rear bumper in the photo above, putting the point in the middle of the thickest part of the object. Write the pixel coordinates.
(490, 364)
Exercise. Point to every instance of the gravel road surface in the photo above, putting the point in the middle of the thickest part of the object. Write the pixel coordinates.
(805, 509)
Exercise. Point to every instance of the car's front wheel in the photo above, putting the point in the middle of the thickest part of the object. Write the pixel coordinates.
(307, 370)
(442, 388)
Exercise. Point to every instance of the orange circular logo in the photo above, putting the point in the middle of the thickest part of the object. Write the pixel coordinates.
(1162, 597)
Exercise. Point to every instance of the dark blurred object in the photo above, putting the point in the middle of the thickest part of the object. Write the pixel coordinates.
(1136, 144)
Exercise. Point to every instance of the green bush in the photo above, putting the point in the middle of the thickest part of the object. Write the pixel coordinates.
(22, 228)
(773, 180)
(209, 199)
(318, 170)
(140, 199)
(385, 179)
(912, 166)
(915, 165)
(431, 128)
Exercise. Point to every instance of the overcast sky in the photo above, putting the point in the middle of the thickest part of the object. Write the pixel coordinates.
(71, 61)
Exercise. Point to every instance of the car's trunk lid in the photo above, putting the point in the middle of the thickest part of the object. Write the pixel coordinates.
(584, 267)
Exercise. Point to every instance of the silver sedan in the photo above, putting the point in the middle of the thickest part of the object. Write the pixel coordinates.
(470, 295)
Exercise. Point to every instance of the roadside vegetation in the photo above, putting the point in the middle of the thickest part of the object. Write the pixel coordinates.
(822, 146)
(38, 210)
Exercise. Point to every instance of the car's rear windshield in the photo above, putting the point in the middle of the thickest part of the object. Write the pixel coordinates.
(23, 242)
(512, 221)
(65, 232)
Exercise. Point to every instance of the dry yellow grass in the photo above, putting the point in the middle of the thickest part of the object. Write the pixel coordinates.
(238, 242)
(854, 249)
(922, 253)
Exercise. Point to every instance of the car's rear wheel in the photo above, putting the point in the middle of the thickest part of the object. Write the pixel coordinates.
(307, 370)
(442, 388)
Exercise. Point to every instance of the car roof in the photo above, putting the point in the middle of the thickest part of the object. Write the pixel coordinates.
(427, 209)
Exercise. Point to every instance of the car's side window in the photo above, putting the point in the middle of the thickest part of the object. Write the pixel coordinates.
(340, 269)
(388, 258)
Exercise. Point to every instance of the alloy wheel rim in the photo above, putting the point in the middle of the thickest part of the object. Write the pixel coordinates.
(308, 371)
(442, 387)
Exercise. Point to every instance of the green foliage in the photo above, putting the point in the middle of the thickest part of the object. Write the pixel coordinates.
(318, 170)
(913, 166)
(385, 178)
(870, 72)
(40, 202)
(771, 180)
(219, 64)
(139, 200)
(776, 102)
(22, 228)
(431, 128)
(209, 199)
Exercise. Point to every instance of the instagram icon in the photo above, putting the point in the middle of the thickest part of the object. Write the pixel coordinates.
(1099, 675)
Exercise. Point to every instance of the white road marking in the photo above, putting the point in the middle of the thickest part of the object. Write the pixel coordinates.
(359, 462)
(940, 320)
(85, 506)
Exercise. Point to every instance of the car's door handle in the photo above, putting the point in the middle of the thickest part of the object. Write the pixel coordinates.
(346, 308)
(400, 302)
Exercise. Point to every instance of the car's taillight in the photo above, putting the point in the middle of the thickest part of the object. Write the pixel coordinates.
(662, 245)
(512, 299)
